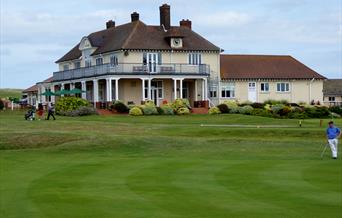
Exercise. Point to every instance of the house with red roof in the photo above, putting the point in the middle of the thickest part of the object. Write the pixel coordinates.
(135, 62)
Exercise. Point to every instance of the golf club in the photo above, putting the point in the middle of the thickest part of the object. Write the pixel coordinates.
(325, 148)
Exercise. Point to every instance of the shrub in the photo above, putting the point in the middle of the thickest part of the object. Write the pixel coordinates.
(297, 115)
(245, 103)
(317, 112)
(268, 107)
(183, 111)
(234, 110)
(261, 112)
(149, 103)
(149, 110)
(284, 111)
(120, 107)
(167, 109)
(159, 110)
(1, 105)
(258, 105)
(223, 108)
(214, 110)
(274, 102)
(276, 108)
(181, 103)
(246, 109)
(135, 111)
(81, 111)
(336, 109)
(231, 104)
(66, 104)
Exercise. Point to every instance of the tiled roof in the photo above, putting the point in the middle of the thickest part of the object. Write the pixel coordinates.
(264, 67)
(332, 87)
(33, 88)
(138, 35)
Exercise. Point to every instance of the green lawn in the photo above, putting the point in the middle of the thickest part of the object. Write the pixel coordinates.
(160, 166)
(5, 93)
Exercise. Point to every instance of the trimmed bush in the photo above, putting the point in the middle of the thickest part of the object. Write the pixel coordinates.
(65, 104)
(258, 105)
(81, 111)
(160, 111)
(223, 108)
(284, 111)
(261, 112)
(245, 109)
(183, 111)
(135, 111)
(231, 104)
(336, 109)
(276, 108)
(167, 109)
(214, 110)
(120, 107)
(149, 110)
(181, 103)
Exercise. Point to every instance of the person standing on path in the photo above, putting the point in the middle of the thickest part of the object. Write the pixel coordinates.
(51, 111)
(333, 133)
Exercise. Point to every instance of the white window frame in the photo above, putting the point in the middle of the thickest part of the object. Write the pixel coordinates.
(114, 61)
(213, 92)
(66, 67)
(99, 61)
(228, 87)
(331, 98)
(195, 58)
(286, 87)
(75, 64)
(263, 86)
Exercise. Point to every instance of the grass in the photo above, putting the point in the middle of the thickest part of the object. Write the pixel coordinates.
(5, 93)
(160, 166)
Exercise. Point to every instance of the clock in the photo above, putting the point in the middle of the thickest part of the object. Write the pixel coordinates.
(176, 42)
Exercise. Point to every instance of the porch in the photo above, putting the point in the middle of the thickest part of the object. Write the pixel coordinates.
(134, 91)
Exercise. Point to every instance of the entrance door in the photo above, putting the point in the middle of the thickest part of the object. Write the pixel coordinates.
(152, 62)
(252, 91)
(154, 95)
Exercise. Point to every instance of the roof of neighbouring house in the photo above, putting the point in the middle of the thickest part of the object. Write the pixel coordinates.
(137, 35)
(332, 87)
(33, 88)
(264, 67)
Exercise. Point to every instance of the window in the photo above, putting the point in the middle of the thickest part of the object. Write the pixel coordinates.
(99, 61)
(195, 58)
(66, 67)
(154, 85)
(114, 60)
(283, 87)
(185, 90)
(332, 99)
(264, 87)
(213, 92)
(77, 65)
(87, 63)
(228, 90)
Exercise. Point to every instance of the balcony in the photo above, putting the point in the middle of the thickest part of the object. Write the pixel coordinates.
(132, 69)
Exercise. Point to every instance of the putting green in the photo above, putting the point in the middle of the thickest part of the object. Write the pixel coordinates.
(166, 167)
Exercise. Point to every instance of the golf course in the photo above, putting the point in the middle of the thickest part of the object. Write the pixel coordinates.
(194, 166)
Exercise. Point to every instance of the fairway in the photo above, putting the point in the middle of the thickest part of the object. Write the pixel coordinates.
(167, 166)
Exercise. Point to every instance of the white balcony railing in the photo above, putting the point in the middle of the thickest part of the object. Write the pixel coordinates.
(132, 69)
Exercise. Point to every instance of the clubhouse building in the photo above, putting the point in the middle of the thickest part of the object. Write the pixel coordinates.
(135, 62)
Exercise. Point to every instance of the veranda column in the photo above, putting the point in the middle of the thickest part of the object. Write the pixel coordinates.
(62, 87)
(203, 90)
(143, 89)
(107, 90)
(149, 89)
(95, 92)
(72, 86)
(175, 88)
(52, 88)
(181, 88)
(196, 90)
(110, 90)
(116, 89)
(84, 90)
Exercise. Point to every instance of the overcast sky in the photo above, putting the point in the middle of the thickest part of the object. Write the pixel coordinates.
(35, 33)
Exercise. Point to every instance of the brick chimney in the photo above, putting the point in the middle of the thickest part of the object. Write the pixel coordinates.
(134, 16)
(165, 16)
(185, 23)
(110, 24)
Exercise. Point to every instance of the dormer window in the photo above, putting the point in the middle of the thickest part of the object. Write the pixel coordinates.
(66, 67)
(176, 43)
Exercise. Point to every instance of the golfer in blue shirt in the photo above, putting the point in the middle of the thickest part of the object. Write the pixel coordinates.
(333, 133)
